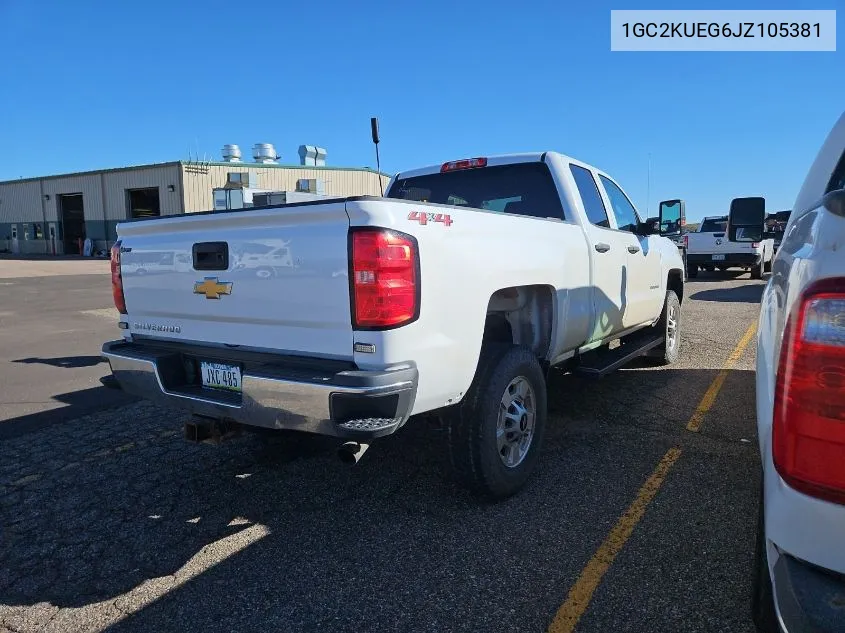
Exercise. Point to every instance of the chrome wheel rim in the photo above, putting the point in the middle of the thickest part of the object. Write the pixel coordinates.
(672, 327)
(515, 426)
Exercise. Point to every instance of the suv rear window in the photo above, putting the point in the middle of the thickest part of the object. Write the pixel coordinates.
(714, 226)
(518, 188)
(837, 178)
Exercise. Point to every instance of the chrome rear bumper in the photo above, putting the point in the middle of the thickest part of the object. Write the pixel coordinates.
(275, 394)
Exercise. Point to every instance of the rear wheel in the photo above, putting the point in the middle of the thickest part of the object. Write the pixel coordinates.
(762, 599)
(692, 271)
(496, 432)
(757, 271)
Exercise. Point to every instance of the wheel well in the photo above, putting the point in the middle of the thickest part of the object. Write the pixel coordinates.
(675, 282)
(521, 315)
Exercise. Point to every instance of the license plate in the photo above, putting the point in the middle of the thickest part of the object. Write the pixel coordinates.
(220, 376)
(718, 258)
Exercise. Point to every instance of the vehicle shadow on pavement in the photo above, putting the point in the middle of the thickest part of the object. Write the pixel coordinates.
(748, 293)
(76, 404)
(117, 513)
(66, 362)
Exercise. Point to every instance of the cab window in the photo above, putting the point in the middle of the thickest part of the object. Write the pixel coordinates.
(590, 197)
(837, 179)
(626, 215)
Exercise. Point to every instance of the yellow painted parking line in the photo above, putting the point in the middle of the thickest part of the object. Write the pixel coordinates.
(582, 591)
(709, 398)
(579, 597)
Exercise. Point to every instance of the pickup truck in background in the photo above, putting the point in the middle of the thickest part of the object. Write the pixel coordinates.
(799, 571)
(450, 297)
(709, 249)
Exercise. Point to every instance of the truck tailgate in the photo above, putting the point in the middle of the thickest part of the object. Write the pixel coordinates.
(273, 279)
(714, 243)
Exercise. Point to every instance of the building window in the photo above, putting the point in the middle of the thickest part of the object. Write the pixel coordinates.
(143, 203)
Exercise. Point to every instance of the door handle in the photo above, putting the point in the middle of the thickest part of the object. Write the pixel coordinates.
(601, 247)
(633, 249)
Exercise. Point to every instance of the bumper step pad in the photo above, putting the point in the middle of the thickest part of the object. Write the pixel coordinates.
(370, 426)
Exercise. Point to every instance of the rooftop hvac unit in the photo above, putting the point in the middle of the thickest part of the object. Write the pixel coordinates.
(231, 154)
(264, 153)
(311, 185)
(311, 155)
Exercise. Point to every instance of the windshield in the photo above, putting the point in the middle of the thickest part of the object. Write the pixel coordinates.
(520, 188)
(714, 225)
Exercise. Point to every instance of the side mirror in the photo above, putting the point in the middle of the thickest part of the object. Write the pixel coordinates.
(672, 217)
(746, 219)
(650, 227)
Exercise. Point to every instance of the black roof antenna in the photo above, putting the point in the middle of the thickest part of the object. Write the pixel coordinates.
(374, 129)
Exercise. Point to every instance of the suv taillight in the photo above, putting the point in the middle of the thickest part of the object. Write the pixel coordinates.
(384, 279)
(808, 433)
(686, 241)
(117, 280)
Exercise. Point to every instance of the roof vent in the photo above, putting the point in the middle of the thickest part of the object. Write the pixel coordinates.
(264, 153)
(312, 155)
(231, 154)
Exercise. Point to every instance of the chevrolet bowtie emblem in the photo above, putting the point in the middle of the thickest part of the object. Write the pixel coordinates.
(212, 288)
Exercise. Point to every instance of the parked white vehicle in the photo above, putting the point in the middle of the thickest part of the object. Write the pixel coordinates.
(800, 561)
(709, 249)
(451, 296)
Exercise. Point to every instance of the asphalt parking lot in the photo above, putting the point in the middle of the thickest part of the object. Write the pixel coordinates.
(110, 521)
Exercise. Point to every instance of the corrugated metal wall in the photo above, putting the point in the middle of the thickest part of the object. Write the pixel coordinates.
(20, 202)
(116, 183)
(200, 179)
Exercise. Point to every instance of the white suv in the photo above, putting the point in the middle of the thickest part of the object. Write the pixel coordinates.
(800, 561)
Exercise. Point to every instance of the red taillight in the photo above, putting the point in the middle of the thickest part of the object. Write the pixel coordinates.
(117, 280)
(385, 284)
(755, 244)
(686, 241)
(808, 433)
(466, 163)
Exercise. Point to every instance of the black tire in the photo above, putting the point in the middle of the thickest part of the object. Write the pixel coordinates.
(767, 267)
(670, 350)
(762, 595)
(757, 271)
(692, 271)
(471, 425)
(710, 269)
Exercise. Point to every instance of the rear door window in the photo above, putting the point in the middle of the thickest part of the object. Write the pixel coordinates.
(590, 197)
(517, 188)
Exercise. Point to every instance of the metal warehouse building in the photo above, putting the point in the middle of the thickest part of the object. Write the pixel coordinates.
(55, 214)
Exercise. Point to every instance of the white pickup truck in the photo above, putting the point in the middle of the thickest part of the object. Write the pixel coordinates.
(799, 580)
(451, 296)
(709, 248)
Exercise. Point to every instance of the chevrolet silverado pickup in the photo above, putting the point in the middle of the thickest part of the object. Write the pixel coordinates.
(709, 248)
(451, 296)
(799, 572)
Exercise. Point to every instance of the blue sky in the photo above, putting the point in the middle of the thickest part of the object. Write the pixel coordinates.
(104, 84)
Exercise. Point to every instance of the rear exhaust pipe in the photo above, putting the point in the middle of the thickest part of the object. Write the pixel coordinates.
(352, 452)
(199, 429)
